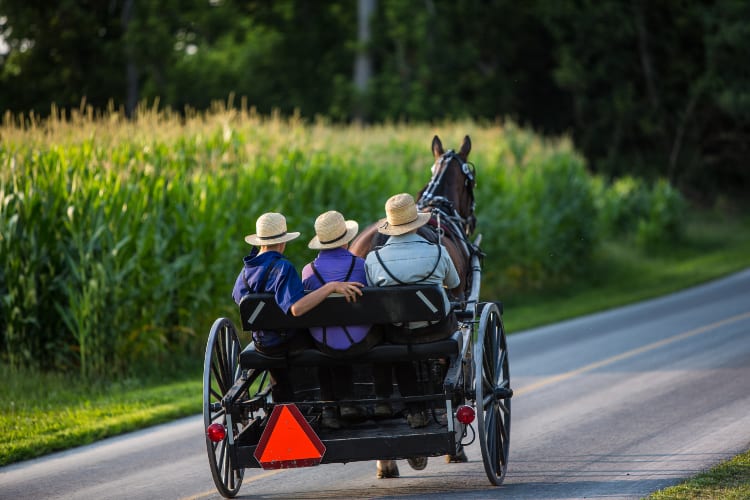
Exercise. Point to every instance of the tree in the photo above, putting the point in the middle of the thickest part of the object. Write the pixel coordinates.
(657, 87)
(61, 52)
(363, 62)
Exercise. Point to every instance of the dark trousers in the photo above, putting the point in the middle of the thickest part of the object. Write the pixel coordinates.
(406, 373)
(406, 378)
(337, 382)
(282, 389)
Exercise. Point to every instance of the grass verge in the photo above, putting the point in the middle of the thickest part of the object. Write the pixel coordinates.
(715, 245)
(729, 480)
(42, 413)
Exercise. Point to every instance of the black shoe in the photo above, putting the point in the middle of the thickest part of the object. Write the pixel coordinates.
(329, 419)
(417, 419)
(383, 409)
(352, 412)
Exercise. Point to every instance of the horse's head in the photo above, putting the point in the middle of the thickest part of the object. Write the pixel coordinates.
(451, 187)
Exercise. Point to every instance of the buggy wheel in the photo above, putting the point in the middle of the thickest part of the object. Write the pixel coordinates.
(220, 370)
(493, 393)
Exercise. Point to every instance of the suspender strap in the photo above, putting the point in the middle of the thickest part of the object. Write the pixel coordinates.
(261, 286)
(317, 274)
(382, 264)
(323, 282)
(351, 268)
(385, 268)
(346, 278)
(437, 261)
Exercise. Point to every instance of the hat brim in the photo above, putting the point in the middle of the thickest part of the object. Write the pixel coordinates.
(253, 239)
(385, 228)
(352, 227)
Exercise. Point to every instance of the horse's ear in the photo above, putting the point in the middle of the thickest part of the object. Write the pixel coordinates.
(465, 148)
(437, 147)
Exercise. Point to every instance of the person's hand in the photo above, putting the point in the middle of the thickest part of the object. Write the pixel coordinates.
(349, 289)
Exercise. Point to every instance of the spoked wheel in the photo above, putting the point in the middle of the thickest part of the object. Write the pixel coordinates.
(493, 393)
(220, 370)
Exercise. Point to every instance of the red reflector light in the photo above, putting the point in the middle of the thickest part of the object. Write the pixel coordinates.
(465, 414)
(216, 432)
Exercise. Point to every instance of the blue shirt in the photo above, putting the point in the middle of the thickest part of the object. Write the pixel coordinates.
(411, 258)
(333, 265)
(283, 281)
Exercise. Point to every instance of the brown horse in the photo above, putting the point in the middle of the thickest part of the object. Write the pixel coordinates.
(449, 196)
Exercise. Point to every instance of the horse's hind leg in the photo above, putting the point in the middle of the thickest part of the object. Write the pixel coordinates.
(458, 458)
(387, 468)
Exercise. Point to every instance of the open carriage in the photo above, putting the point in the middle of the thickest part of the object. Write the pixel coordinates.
(464, 380)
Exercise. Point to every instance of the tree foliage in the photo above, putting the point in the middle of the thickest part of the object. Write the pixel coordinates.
(657, 87)
(653, 89)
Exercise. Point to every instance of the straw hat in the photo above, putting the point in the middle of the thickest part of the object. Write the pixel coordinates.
(270, 229)
(332, 231)
(401, 215)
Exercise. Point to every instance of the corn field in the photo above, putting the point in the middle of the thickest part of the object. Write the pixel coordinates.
(120, 239)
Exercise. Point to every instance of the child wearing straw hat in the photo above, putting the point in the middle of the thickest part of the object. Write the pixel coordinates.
(407, 258)
(266, 270)
(336, 263)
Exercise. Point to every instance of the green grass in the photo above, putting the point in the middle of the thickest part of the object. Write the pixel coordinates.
(715, 245)
(729, 481)
(44, 413)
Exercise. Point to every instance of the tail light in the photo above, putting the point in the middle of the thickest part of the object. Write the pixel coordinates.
(465, 414)
(216, 432)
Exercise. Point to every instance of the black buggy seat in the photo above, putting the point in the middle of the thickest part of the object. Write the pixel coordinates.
(377, 305)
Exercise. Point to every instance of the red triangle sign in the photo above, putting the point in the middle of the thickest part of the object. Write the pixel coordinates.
(288, 441)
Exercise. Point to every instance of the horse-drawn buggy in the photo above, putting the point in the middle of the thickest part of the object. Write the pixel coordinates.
(464, 379)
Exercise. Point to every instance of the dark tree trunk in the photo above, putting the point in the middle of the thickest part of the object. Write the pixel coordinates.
(362, 64)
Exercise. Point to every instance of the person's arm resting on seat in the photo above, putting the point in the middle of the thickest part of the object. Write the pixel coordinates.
(349, 289)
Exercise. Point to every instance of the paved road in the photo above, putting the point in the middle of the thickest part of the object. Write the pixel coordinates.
(613, 405)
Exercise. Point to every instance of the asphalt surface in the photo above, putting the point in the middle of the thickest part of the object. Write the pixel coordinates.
(613, 405)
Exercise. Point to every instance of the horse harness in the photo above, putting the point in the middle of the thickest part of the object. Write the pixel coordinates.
(442, 204)
(444, 213)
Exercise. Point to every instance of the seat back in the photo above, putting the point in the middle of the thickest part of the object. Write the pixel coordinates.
(395, 304)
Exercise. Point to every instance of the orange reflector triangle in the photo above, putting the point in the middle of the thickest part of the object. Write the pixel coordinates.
(288, 441)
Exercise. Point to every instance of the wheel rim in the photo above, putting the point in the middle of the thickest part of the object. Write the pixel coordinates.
(220, 370)
(492, 386)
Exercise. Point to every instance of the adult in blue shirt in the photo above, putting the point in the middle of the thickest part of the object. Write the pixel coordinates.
(266, 270)
(336, 263)
(407, 258)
